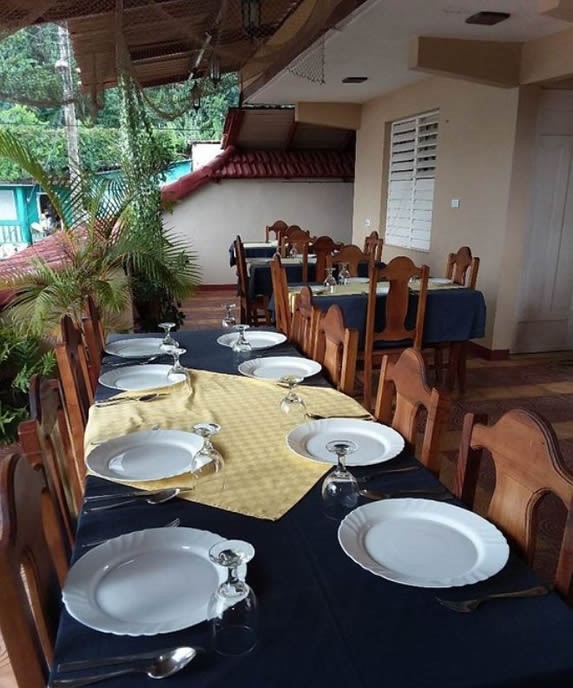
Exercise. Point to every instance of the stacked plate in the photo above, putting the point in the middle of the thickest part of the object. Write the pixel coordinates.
(376, 442)
(258, 339)
(143, 583)
(145, 455)
(423, 543)
(141, 347)
(275, 367)
(140, 377)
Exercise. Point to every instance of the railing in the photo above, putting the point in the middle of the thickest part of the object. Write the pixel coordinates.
(11, 234)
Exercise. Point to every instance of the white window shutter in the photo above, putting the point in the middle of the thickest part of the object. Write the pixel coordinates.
(413, 147)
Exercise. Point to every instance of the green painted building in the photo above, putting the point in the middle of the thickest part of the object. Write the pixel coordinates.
(21, 205)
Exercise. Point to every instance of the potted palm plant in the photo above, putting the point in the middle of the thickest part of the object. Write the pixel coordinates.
(105, 251)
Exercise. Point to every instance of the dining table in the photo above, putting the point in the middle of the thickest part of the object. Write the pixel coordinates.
(254, 249)
(260, 280)
(324, 621)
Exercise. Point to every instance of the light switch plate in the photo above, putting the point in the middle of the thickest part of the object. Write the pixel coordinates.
(455, 202)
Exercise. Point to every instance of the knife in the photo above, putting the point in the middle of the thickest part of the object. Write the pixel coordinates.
(80, 664)
(121, 495)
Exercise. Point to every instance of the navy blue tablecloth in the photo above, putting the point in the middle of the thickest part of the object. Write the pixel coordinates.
(326, 622)
(260, 281)
(452, 315)
(252, 252)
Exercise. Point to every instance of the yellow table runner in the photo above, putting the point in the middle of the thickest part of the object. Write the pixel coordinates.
(263, 477)
(362, 288)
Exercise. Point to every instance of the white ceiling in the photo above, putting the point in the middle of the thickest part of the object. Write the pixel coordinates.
(373, 42)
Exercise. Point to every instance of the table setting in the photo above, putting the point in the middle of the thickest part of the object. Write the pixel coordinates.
(311, 551)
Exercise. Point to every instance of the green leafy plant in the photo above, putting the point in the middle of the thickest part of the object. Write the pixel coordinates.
(21, 356)
(102, 246)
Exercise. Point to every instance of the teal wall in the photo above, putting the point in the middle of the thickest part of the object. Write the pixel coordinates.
(26, 200)
(18, 231)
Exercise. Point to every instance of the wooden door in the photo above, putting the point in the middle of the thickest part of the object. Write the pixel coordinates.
(545, 315)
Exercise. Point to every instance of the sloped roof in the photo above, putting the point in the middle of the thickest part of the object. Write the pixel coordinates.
(240, 164)
(267, 143)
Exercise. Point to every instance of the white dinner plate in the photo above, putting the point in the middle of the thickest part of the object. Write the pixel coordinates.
(145, 455)
(152, 581)
(376, 442)
(275, 367)
(423, 543)
(357, 280)
(440, 281)
(383, 287)
(258, 339)
(140, 377)
(134, 348)
(259, 244)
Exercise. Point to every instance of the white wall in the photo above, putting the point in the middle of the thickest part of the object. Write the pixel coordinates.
(202, 153)
(211, 217)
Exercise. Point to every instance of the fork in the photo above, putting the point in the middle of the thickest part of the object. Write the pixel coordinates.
(465, 606)
(438, 493)
(172, 524)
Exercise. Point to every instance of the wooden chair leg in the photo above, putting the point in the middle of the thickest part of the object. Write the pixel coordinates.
(453, 359)
(462, 367)
(438, 363)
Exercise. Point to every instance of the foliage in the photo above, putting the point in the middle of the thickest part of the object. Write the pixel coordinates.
(144, 159)
(99, 147)
(28, 75)
(21, 356)
(99, 242)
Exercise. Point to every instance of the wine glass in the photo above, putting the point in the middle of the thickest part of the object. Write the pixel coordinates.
(340, 490)
(242, 345)
(330, 279)
(168, 339)
(232, 610)
(292, 399)
(293, 253)
(229, 320)
(175, 351)
(343, 273)
(207, 464)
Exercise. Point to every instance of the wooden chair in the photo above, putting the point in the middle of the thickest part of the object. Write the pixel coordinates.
(458, 265)
(253, 311)
(47, 414)
(75, 383)
(294, 237)
(351, 254)
(277, 228)
(395, 336)
(280, 293)
(373, 244)
(402, 390)
(462, 269)
(337, 349)
(94, 338)
(528, 465)
(322, 247)
(305, 317)
(28, 623)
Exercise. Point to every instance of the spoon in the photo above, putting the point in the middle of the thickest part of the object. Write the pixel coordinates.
(142, 397)
(161, 666)
(152, 498)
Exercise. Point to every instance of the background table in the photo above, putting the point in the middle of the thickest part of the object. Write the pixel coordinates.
(259, 250)
(326, 622)
(260, 281)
